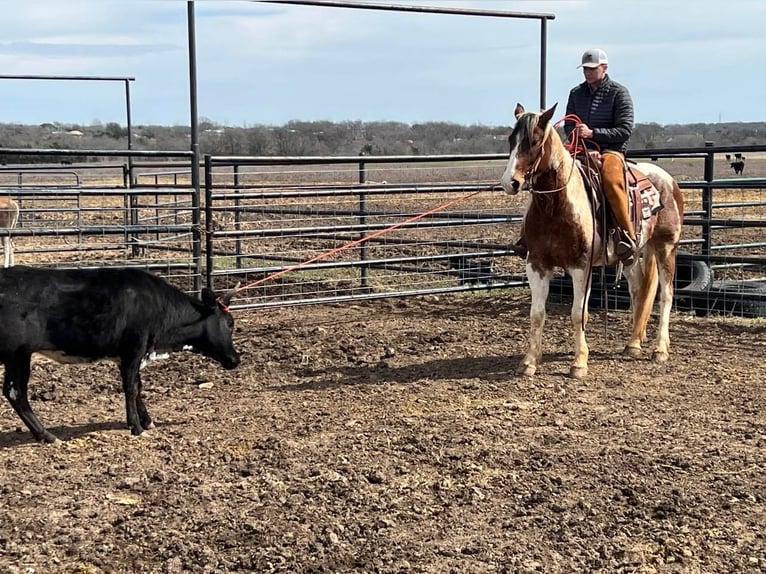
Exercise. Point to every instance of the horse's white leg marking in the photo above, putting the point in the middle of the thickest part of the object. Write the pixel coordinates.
(9, 215)
(666, 268)
(581, 294)
(7, 252)
(539, 285)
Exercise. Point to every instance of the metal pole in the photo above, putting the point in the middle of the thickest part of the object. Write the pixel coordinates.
(543, 60)
(130, 131)
(707, 203)
(133, 200)
(196, 238)
(209, 263)
(364, 270)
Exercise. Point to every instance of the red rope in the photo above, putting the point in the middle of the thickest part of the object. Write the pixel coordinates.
(574, 146)
(577, 145)
(358, 241)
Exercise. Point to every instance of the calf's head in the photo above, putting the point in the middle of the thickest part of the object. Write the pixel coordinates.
(218, 327)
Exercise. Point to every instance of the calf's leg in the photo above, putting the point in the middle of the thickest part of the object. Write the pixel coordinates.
(15, 386)
(129, 372)
(143, 414)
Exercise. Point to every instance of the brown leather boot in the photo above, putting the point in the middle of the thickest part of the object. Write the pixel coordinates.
(615, 190)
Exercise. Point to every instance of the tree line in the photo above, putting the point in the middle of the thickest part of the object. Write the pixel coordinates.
(348, 138)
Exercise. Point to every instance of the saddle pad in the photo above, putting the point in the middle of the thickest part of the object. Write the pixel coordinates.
(643, 193)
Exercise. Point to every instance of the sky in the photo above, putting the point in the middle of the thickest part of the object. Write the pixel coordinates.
(261, 63)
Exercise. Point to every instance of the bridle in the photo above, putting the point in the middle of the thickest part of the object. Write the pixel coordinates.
(575, 146)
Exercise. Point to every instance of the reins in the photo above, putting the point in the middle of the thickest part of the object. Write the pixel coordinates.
(355, 242)
(575, 147)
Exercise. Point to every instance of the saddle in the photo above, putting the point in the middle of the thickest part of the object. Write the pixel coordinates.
(643, 198)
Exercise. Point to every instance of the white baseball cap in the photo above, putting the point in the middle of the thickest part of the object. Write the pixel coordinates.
(593, 58)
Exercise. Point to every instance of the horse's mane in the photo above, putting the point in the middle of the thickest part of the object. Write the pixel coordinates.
(524, 128)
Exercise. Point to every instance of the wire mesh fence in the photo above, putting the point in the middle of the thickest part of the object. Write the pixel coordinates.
(87, 215)
(300, 230)
(345, 229)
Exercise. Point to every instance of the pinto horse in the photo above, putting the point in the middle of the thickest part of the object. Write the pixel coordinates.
(562, 232)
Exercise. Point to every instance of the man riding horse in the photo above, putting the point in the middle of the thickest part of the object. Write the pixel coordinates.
(605, 109)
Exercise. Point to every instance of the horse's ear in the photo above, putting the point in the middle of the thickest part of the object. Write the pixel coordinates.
(518, 111)
(547, 115)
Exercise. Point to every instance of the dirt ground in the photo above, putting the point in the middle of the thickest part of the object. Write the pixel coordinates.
(393, 437)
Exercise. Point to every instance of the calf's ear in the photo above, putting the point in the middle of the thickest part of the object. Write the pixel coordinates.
(209, 298)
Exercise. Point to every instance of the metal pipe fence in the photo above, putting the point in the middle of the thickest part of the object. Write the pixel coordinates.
(88, 215)
(262, 219)
(265, 215)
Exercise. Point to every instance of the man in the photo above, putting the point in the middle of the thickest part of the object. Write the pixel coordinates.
(606, 110)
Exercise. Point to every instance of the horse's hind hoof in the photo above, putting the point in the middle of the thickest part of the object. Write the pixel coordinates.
(578, 372)
(660, 357)
(526, 370)
(632, 352)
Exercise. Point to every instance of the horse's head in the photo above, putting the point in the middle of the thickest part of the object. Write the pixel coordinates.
(527, 142)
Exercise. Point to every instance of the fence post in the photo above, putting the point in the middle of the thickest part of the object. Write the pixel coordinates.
(237, 217)
(208, 222)
(707, 203)
(363, 270)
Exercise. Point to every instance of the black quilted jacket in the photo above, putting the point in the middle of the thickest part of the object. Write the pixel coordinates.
(608, 112)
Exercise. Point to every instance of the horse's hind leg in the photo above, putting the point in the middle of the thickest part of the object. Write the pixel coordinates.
(642, 283)
(666, 263)
(539, 285)
(581, 294)
(7, 252)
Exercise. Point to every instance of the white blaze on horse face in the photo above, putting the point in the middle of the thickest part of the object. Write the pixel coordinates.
(507, 181)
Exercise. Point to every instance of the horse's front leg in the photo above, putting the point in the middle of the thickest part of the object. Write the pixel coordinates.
(581, 294)
(539, 285)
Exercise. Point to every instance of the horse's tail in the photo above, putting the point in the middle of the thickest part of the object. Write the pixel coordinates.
(679, 197)
(650, 277)
(649, 280)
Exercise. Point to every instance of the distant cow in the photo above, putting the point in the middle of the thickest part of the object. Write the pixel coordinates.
(9, 216)
(82, 315)
(738, 165)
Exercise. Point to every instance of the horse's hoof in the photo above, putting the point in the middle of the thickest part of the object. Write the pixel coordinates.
(578, 372)
(526, 370)
(632, 352)
(660, 356)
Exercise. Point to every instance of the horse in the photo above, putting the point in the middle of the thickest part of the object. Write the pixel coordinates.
(9, 215)
(562, 231)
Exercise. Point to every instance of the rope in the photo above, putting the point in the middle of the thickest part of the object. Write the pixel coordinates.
(360, 240)
(573, 148)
